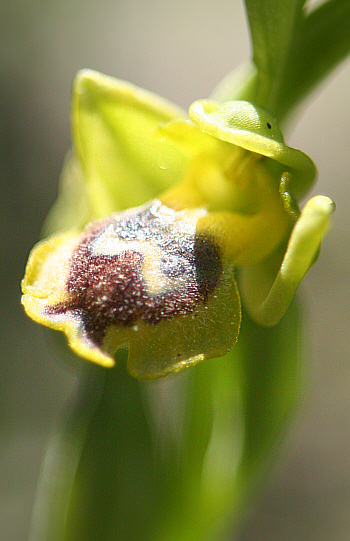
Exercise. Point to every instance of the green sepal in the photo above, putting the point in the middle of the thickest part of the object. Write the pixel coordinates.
(123, 163)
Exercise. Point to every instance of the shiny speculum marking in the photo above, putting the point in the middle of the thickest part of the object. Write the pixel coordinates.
(148, 265)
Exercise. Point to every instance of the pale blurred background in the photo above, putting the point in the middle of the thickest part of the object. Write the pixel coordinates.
(180, 50)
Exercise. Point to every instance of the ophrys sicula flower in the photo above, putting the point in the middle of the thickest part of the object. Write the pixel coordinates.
(223, 190)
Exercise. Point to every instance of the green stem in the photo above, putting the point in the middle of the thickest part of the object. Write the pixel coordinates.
(114, 493)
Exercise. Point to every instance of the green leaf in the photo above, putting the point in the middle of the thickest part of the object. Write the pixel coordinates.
(322, 42)
(123, 162)
(272, 24)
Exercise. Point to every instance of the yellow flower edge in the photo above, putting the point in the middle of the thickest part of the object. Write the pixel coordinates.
(43, 286)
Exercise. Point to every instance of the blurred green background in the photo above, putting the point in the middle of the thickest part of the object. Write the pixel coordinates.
(180, 50)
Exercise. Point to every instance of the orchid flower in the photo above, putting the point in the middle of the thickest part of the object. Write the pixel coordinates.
(159, 278)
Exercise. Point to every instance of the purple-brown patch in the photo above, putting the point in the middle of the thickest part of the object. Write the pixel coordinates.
(111, 288)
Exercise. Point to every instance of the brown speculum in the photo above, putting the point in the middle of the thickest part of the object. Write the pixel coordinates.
(140, 266)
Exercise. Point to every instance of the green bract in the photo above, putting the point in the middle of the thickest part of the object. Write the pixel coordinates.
(223, 189)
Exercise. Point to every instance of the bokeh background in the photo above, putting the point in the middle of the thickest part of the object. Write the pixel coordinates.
(180, 50)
